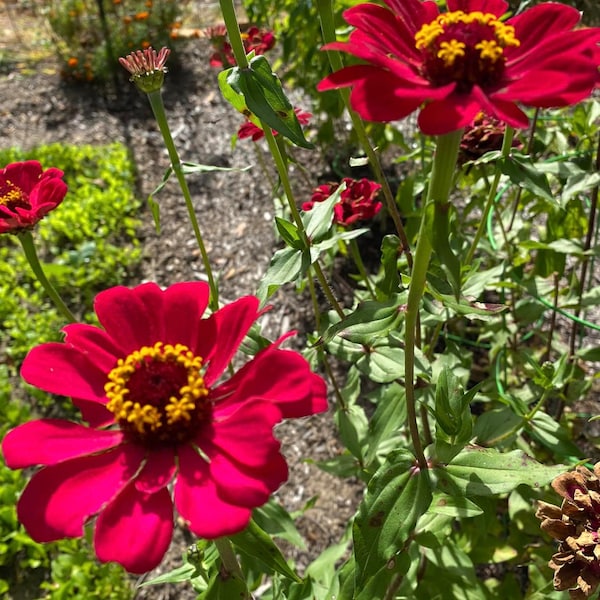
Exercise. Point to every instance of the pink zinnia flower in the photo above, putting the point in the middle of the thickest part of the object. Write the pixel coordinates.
(165, 427)
(27, 194)
(463, 61)
(357, 201)
(250, 130)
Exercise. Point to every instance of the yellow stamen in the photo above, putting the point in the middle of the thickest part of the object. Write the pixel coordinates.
(427, 35)
(450, 50)
(489, 49)
(148, 418)
(11, 194)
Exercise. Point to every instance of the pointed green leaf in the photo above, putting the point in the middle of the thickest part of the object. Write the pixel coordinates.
(522, 172)
(258, 544)
(485, 472)
(370, 320)
(286, 266)
(264, 97)
(289, 233)
(397, 495)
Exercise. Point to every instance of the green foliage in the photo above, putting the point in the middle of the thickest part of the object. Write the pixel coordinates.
(88, 243)
(90, 35)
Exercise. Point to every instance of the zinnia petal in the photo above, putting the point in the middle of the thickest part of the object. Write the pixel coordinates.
(220, 335)
(129, 315)
(183, 307)
(60, 498)
(251, 446)
(246, 486)
(63, 370)
(135, 529)
(159, 470)
(95, 343)
(49, 441)
(198, 502)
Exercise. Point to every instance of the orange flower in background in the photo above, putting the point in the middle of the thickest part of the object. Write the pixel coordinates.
(127, 20)
(73, 61)
(142, 16)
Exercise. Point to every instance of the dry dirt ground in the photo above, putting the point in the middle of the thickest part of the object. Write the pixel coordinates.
(235, 210)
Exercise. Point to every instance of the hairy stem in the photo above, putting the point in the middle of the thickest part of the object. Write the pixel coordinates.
(28, 245)
(158, 109)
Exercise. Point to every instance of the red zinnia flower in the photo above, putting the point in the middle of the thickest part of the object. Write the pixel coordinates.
(357, 200)
(27, 194)
(254, 39)
(250, 130)
(464, 61)
(160, 418)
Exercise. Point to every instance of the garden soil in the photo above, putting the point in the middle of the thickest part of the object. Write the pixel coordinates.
(235, 210)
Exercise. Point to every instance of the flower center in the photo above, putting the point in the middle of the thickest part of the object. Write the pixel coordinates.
(12, 196)
(467, 48)
(157, 394)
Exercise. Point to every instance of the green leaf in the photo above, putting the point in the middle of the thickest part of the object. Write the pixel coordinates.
(289, 233)
(276, 521)
(286, 266)
(318, 220)
(370, 320)
(397, 495)
(256, 543)
(390, 251)
(225, 587)
(452, 506)
(265, 97)
(440, 241)
(522, 172)
(485, 472)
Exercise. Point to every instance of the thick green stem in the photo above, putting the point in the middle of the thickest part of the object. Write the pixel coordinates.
(281, 165)
(158, 109)
(335, 60)
(509, 134)
(26, 240)
(442, 174)
(360, 265)
(229, 560)
(233, 32)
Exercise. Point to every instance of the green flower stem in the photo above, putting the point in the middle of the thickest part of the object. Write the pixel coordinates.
(281, 165)
(509, 134)
(158, 109)
(229, 560)
(233, 32)
(26, 240)
(444, 163)
(335, 60)
(360, 265)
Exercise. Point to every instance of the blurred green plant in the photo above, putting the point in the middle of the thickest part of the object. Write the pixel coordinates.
(90, 35)
(87, 245)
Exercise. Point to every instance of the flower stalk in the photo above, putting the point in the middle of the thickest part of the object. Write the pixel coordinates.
(442, 173)
(158, 109)
(335, 60)
(28, 245)
(509, 134)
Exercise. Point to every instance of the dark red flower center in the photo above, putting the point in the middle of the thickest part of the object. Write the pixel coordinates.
(12, 196)
(466, 48)
(157, 394)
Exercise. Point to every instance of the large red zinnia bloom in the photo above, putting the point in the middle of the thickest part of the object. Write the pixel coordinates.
(149, 383)
(28, 193)
(464, 61)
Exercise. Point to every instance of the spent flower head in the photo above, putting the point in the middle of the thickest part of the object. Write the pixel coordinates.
(147, 68)
(467, 59)
(357, 200)
(166, 430)
(576, 526)
(27, 194)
